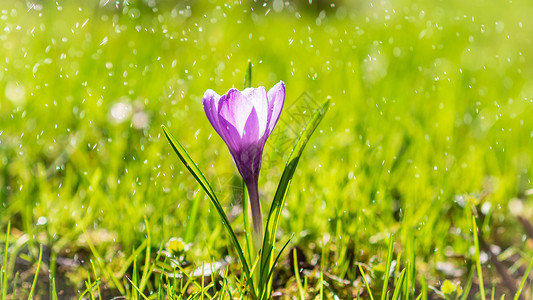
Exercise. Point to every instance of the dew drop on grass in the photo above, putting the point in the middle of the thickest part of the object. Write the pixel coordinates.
(41, 221)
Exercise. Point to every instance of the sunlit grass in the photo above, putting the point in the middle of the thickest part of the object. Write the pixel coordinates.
(429, 125)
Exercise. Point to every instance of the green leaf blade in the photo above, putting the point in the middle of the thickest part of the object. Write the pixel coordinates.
(200, 178)
(282, 189)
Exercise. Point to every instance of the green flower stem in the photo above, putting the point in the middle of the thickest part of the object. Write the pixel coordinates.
(258, 230)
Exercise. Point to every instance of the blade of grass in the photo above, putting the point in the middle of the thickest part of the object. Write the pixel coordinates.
(97, 280)
(213, 273)
(478, 261)
(248, 75)
(151, 269)
(387, 269)
(106, 269)
(397, 269)
(297, 275)
(524, 279)
(398, 287)
(193, 213)
(466, 290)
(200, 178)
(170, 286)
(89, 286)
(82, 295)
(30, 296)
(159, 287)
(424, 288)
(134, 279)
(190, 277)
(203, 279)
(15, 285)
(412, 263)
(137, 289)
(366, 282)
(2, 285)
(54, 290)
(409, 261)
(275, 262)
(129, 261)
(144, 278)
(321, 286)
(4, 269)
(52, 267)
(283, 186)
(224, 283)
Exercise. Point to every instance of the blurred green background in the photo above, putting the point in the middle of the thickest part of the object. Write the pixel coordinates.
(430, 123)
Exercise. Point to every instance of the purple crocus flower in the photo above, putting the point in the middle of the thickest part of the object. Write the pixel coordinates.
(244, 120)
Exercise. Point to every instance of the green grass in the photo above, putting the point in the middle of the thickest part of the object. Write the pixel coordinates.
(429, 128)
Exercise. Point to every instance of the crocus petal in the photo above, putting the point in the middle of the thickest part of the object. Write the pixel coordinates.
(230, 135)
(210, 102)
(276, 98)
(235, 108)
(252, 129)
(258, 96)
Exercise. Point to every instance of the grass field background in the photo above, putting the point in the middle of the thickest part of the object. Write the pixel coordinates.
(430, 123)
